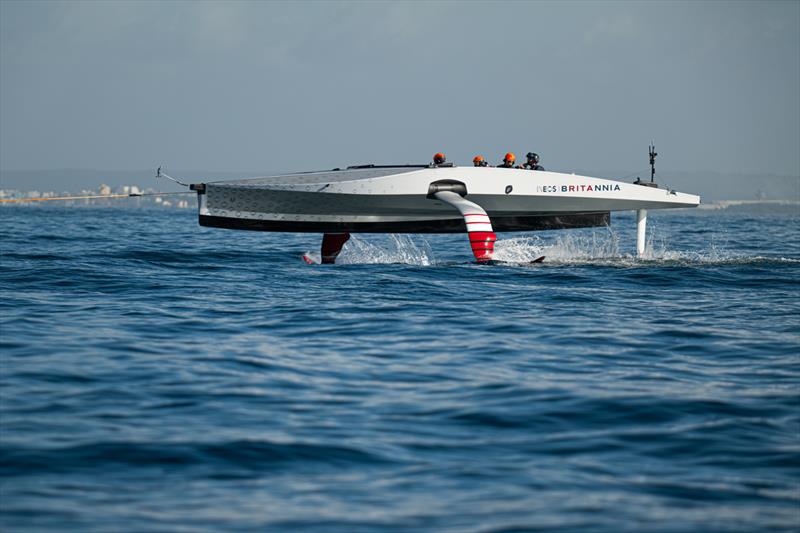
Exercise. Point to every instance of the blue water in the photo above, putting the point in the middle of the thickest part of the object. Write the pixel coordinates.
(159, 376)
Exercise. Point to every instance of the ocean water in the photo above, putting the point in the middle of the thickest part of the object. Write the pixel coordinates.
(159, 376)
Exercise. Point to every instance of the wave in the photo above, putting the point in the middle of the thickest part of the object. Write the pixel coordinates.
(249, 454)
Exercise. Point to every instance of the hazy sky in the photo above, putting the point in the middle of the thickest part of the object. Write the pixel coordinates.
(309, 85)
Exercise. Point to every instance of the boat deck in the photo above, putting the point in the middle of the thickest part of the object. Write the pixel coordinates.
(325, 176)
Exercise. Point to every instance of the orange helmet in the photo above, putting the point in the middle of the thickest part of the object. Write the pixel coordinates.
(509, 158)
(477, 159)
(438, 158)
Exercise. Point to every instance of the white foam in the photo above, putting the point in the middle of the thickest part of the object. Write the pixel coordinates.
(600, 246)
(566, 248)
(392, 249)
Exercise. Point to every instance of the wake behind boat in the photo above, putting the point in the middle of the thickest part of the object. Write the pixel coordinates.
(478, 201)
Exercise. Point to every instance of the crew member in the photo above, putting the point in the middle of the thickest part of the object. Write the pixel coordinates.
(533, 162)
(479, 161)
(508, 161)
(438, 159)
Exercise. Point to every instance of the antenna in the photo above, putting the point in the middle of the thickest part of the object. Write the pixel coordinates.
(653, 154)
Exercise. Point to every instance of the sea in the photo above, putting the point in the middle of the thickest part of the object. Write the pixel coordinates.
(160, 376)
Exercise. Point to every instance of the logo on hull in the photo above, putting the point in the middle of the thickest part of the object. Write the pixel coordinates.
(577, 188)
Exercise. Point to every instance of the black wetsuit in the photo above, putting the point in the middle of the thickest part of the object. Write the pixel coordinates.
(505, 165)
(533, 167)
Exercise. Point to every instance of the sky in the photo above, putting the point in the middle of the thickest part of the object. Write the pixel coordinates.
(271, 86)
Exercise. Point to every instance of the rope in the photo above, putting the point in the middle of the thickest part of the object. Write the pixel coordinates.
(661, 178)
(48, 199)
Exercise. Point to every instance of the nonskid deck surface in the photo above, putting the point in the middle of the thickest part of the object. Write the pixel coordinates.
(404, 190)
(318, 177)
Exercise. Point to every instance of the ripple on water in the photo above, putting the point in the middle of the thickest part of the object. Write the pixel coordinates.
(160, 376)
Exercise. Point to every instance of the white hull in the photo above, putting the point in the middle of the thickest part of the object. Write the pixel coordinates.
(397, 199)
